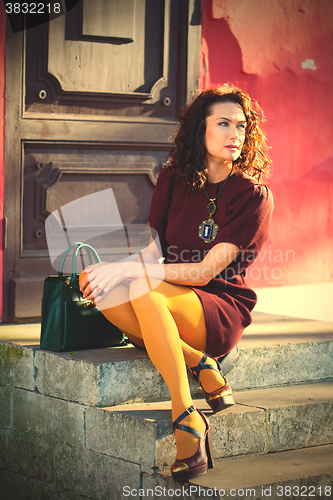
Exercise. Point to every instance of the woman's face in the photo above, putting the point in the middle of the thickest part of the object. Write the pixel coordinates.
(225, 132)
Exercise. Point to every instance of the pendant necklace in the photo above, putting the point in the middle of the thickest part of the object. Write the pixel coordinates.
(208, 229)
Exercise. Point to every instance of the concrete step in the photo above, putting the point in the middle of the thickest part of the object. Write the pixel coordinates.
(262, 421)
(305, 473)
(274, 351)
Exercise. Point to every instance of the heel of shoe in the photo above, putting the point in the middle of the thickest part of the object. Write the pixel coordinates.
(199, 463)
(209, 450)
(219, 400)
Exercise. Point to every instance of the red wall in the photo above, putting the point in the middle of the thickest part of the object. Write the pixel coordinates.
(2, 128)
(260, 46)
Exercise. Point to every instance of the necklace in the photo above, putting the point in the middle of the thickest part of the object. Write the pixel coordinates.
(208, 229)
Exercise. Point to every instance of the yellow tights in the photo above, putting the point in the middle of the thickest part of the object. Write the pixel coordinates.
(169, 322)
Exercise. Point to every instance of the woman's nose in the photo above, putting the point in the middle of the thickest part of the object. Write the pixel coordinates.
(234, 132)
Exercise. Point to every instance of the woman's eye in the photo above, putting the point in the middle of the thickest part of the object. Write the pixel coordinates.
(242, 126)
(224, 124)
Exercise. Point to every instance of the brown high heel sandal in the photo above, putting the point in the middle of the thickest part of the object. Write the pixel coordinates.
(199, 463)
(221, 398)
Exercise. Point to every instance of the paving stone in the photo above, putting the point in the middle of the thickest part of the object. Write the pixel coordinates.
(76, 470)
(238, 431)
(47, 443)
(131, 436)
(99, 377)
(105, 377)
(282, 364)
(263, 420)
(22, 334)
(99, 478)
(6, 406)
(103, 478)
(66, 378)
(5, 444)
(296, 416)
(17, 487)
(307, 472)
(41, 418)
(163, 486)
(47, 435)
(300, 426)
(143, 433)
(212, 485)
(16, 366)
(274, 350)
(273, 329)
(62, 427)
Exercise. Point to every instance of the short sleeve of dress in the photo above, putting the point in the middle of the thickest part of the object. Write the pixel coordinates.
(247, 222)
(160, 203)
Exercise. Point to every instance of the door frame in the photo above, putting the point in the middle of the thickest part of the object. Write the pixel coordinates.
(20, 129)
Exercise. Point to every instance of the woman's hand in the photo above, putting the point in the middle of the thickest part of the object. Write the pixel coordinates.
(99, 279)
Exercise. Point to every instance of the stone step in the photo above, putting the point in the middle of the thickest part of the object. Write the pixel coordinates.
(53, 448)
(262, 421)
(295, 474)
(274, 351)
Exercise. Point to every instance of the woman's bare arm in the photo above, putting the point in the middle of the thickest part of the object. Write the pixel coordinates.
(108, 275)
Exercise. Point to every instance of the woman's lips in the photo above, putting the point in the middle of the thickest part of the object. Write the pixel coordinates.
(232, 146)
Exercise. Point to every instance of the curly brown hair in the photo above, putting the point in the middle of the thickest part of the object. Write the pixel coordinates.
(187, 158)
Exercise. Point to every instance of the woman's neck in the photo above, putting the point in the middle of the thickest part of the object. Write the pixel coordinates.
(218, 172)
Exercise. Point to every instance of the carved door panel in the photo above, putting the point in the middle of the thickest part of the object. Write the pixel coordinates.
(92, 100)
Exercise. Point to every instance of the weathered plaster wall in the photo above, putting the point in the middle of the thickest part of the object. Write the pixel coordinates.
(281, 52)
(2, 128)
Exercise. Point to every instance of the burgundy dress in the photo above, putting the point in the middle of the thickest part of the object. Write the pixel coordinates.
(243, 215)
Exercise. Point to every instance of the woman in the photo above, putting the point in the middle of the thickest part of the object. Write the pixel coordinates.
(211, 213)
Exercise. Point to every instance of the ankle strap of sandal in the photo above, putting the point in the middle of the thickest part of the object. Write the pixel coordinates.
(177, 425)
(201, 366)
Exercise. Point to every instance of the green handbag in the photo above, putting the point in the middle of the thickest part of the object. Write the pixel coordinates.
(69, 322)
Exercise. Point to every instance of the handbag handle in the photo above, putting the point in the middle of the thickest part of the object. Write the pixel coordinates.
(65, 255)
(91, 252)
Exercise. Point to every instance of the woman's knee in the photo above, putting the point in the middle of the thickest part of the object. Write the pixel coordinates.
(115, 298)
(116, 307)
(143, 288)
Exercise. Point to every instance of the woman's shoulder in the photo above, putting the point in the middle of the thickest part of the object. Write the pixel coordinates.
(168, 180)
(248, 193)
(166, 176)
(245, 184)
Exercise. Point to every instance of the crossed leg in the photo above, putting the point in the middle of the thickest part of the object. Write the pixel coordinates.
(169, 321)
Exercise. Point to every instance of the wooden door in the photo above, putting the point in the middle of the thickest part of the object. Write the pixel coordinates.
(92, 99)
